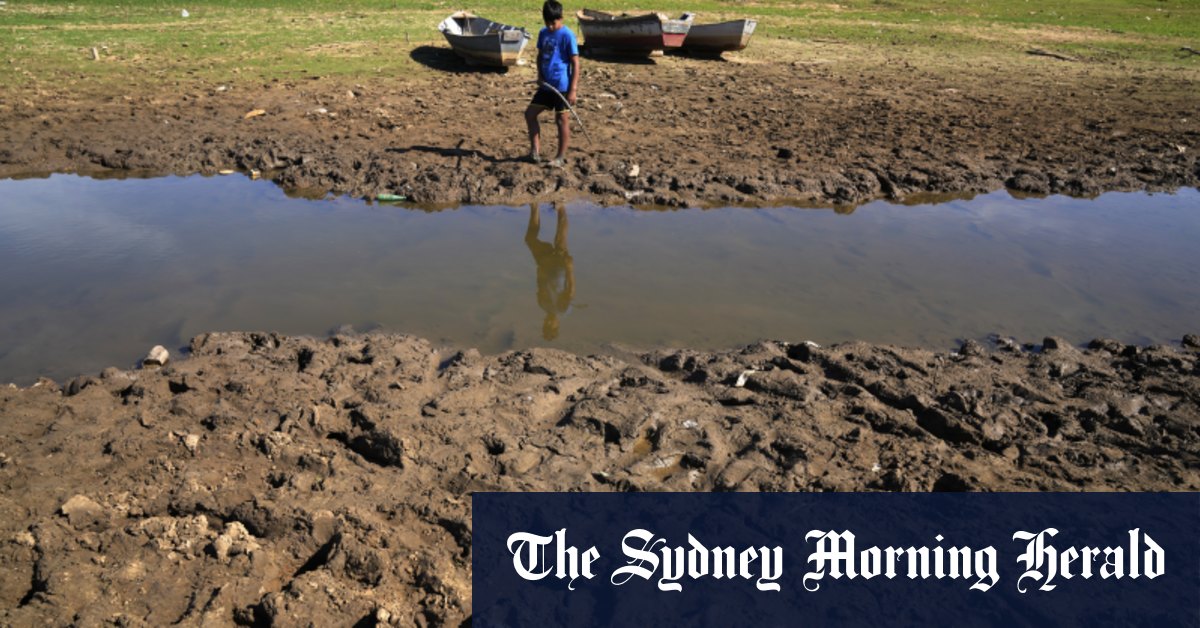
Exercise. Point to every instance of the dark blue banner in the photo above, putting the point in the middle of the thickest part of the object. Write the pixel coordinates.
(836, 559)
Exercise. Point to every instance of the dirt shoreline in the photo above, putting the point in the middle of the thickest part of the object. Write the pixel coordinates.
(821, 124)
(288, 480)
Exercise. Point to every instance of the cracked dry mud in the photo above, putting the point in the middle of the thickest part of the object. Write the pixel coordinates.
(301, 481)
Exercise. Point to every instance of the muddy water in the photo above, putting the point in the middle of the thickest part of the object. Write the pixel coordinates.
(95, 272)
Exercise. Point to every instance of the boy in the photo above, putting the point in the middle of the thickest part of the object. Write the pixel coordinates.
(558, 67)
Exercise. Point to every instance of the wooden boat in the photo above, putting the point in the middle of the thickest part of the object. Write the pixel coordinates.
(635, 34)
(722, 37)
(483, 42)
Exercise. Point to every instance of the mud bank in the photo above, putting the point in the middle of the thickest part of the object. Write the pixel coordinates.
(279, 480)
(822, 124)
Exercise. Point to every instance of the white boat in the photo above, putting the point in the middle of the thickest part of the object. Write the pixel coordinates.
(481, 41)
(722, 37)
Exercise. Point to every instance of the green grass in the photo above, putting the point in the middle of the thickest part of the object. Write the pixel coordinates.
(43, 43)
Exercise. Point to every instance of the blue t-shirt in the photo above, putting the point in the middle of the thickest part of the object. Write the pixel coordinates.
(555, 49)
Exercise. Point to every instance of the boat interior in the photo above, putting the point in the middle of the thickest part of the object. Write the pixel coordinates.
(473, 25)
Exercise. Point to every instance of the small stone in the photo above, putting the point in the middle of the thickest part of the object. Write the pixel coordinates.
(113, 373)
(1106, 344)
(25, 538)
(82, 511)
(76, 386)
(383, 616)
(971, 348)
(1128, 407)
(1191, 341)
(634, 170)
(1007, 344)
(158, 356)
(1051, 343)
(523, 462)
(236, 540)
(324, 526)
(1063, 368)
(191, 442)
(255, 174)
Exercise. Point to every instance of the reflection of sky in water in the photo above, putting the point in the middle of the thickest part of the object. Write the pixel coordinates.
(97, 271)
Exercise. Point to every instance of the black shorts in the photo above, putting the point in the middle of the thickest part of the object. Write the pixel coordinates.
(547, 99)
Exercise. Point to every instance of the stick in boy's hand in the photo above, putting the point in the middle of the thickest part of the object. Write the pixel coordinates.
(545, 85)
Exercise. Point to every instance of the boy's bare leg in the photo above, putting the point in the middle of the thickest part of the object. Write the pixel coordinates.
(531, 120)
(564, 134)
(560, 227)
(534, 226)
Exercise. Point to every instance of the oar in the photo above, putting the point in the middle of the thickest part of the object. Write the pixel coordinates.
(569, 108)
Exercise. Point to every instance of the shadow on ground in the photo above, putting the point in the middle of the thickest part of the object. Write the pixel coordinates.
(444, 59)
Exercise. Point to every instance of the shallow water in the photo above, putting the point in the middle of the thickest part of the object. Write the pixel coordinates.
(96, 272)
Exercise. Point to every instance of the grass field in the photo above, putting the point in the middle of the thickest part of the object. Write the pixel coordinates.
(145, 42)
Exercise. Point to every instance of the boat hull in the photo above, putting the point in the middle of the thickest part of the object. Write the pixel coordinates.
(483, 42)
(640, 34)
(722, 37)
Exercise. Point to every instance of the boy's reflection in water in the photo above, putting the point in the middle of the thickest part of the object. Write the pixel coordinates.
(555, 268)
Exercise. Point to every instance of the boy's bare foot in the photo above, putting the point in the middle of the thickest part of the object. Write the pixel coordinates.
(558, 162)
(534, 158)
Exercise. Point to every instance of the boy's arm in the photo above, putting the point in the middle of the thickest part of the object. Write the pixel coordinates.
(574, 79)
(539, 63)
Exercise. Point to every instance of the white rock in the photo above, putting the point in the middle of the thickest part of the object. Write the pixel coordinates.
(191, 441)
(82, 510)
(634, 170)
(184, 13)
(741, 380)
(235, 540)
(158, 356)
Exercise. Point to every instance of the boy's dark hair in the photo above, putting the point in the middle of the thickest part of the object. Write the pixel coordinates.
(551, 11)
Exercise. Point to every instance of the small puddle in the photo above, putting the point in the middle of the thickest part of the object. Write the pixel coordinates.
(97, 271)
